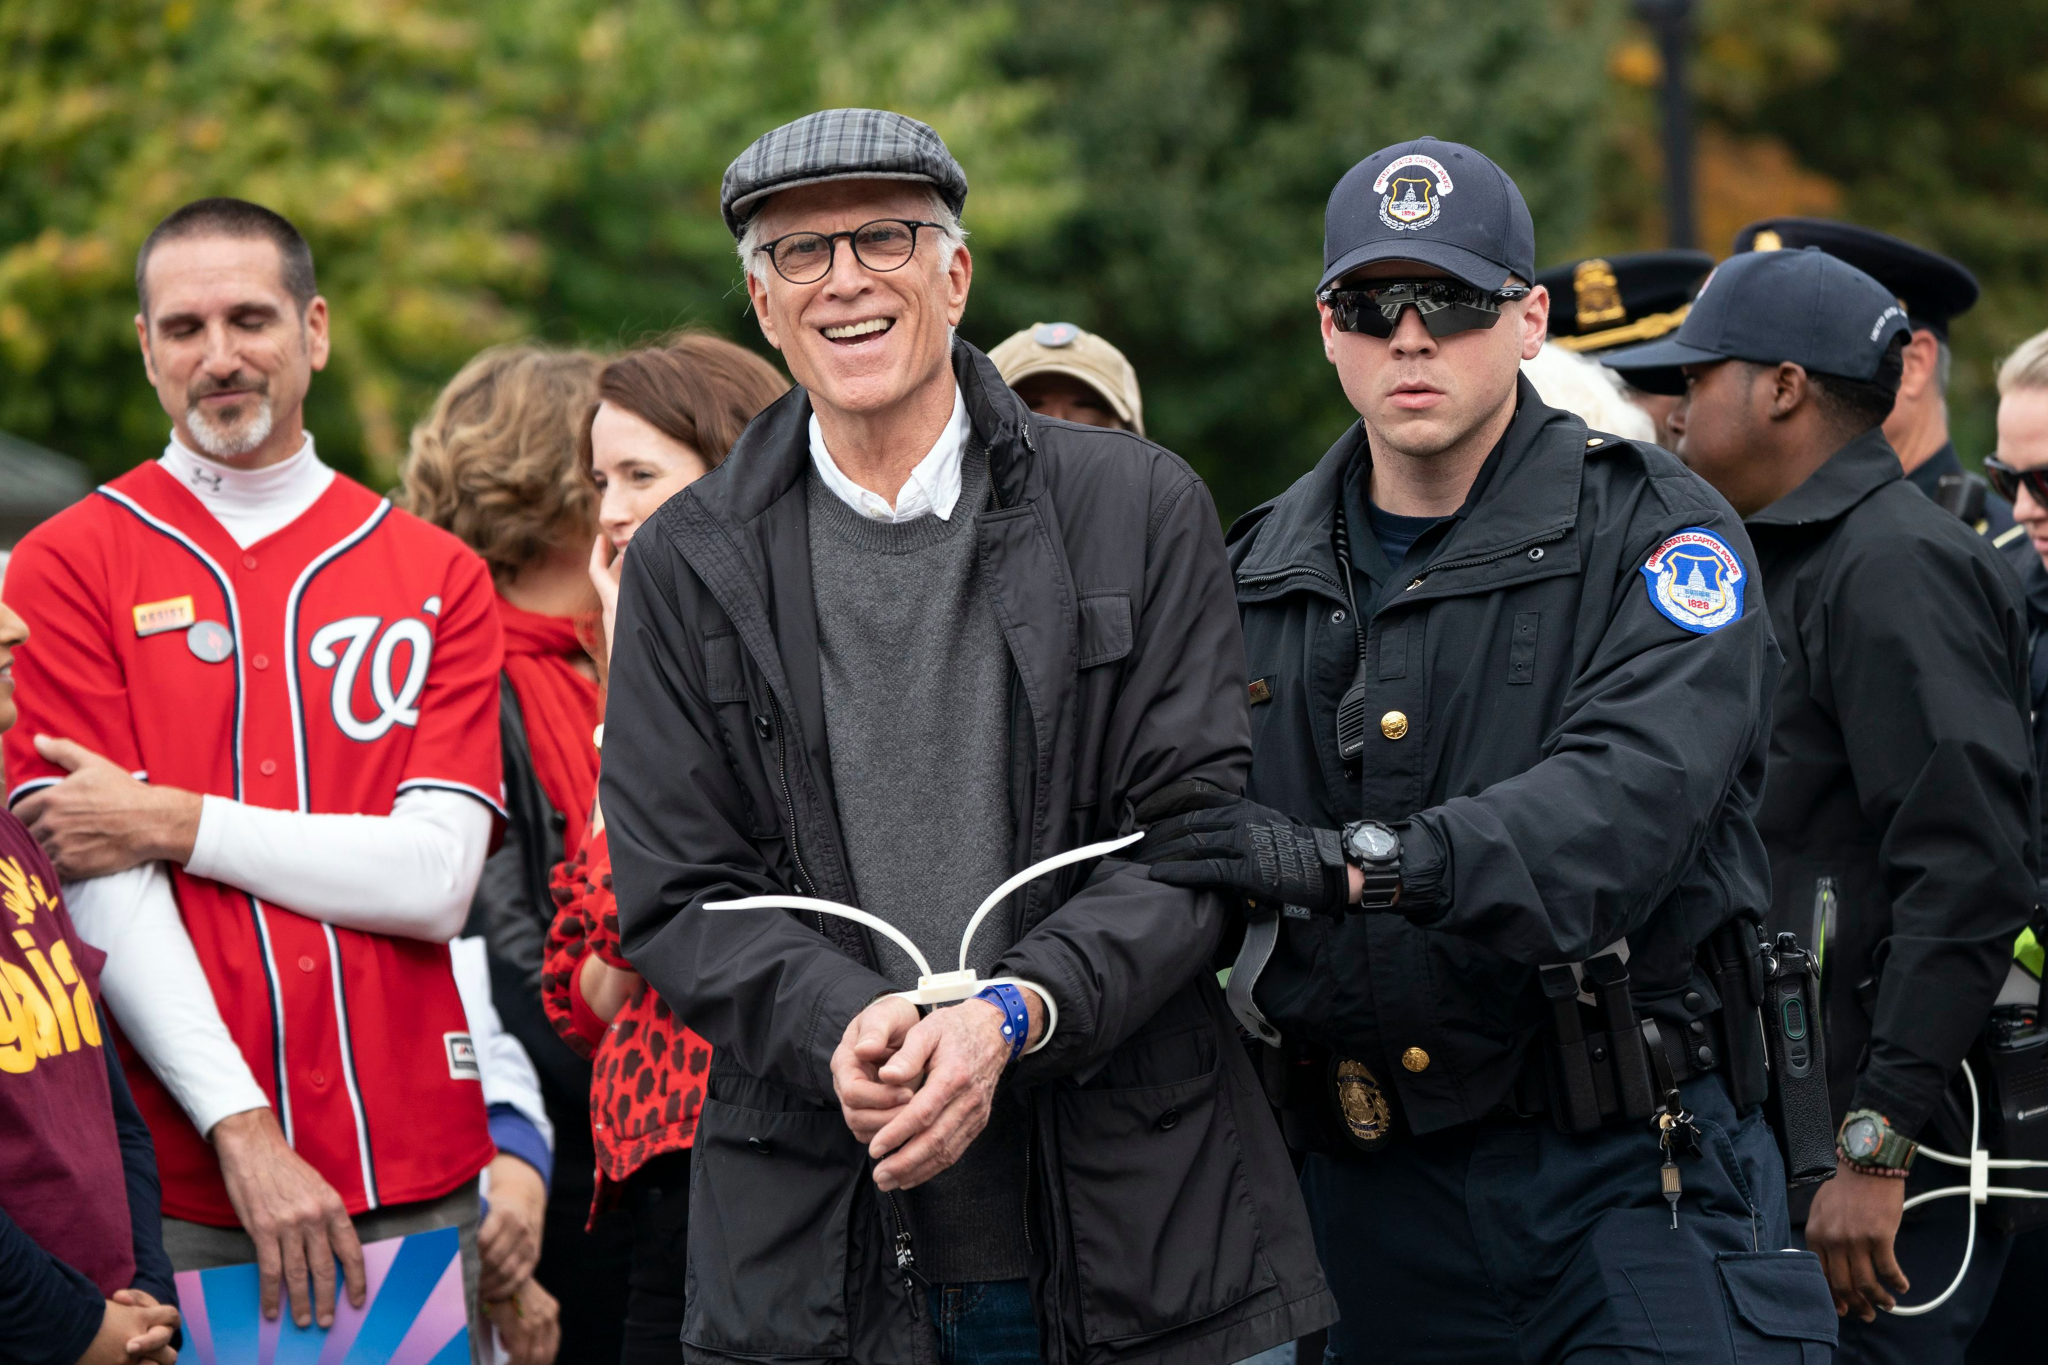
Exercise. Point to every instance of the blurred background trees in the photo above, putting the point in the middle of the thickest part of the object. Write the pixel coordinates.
(1154, 170)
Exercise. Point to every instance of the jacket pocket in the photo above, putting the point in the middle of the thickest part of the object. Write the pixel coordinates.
(1105, 627)
(1780, 1305)
(749, 751)
(1160, 1213)
(771, 1194)
(1104, 639)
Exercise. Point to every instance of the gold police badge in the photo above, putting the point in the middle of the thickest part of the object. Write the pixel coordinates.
(1361, 1105)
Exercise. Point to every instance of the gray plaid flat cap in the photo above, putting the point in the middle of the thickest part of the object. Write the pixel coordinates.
(839, 144)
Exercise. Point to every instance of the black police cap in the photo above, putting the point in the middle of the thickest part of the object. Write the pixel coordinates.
(1604, 301)
(1932, 287)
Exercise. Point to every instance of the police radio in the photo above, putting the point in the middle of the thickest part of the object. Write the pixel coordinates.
(1797, 1101)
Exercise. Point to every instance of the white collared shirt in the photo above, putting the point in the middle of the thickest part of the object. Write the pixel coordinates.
(933, 486)
(251, 503)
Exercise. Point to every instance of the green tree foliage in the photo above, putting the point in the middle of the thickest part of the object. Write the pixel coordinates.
(1206, 138)
(1152, 169)
(466, 174)
(1929, 117)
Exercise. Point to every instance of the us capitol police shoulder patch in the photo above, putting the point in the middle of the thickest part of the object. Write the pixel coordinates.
(1696, 580)
(1411, 202)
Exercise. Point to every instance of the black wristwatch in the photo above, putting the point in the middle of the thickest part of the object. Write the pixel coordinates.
(1375, 850)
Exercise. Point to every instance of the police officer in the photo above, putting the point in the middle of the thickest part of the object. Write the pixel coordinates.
(1899, 803)
(1601, 304)
(1508, 685)
(1933, 290)
(2011, 1328)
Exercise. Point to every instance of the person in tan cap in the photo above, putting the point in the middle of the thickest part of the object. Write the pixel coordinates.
(1061, 371)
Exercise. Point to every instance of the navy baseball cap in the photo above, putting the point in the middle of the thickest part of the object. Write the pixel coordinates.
(1439, 203)
(1768, 307)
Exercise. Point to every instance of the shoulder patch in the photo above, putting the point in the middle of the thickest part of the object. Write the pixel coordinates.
(1695, 580)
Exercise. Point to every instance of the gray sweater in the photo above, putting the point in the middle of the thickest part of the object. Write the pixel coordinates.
(916, 680)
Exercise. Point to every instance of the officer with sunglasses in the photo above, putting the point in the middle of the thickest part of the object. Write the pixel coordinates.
(1509, 682)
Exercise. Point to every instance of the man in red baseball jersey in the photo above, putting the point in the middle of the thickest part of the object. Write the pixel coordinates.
(259, 739)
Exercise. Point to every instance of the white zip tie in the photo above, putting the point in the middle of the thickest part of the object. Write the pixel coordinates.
(1980, 1164)
(946, 988)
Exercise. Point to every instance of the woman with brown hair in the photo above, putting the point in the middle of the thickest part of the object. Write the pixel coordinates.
(495, 462)
(664, 417)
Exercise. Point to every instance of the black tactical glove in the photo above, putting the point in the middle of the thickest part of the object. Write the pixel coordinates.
(1209, 838)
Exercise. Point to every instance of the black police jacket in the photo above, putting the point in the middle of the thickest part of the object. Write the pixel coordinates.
(1576, 768)
(1901, 780)
(1162, 1219)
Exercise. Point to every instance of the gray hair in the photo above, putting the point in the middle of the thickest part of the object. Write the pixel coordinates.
(1944, 366)
(951, 238)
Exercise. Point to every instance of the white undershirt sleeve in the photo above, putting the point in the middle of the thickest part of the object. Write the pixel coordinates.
(159, 994)
(508, 1074)
(409, 874)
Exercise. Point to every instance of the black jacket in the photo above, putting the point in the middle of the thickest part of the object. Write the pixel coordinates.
(1576, 768)
(512, 911)
(1901, 775)
(1162, 1219)
(1996, 518)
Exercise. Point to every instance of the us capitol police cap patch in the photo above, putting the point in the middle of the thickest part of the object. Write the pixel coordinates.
(1695, 580)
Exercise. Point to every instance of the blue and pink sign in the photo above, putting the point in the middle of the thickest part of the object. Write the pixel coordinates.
(412, 1315)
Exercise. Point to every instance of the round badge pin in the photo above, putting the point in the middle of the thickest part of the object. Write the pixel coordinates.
(1053, 335)
(210, 642)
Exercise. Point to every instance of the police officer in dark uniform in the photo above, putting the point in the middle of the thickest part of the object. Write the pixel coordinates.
(1600, 304)
(2012, 1327)
(1899, 802)
(1933, 290)
(1509, 692)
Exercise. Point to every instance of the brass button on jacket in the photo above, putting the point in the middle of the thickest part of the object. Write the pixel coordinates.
(1415, 1059)
(1394, 724)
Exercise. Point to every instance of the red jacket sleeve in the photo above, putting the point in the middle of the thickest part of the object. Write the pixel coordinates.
(568, 945)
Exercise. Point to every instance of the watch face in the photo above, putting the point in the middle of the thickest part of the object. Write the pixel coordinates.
(1370, 841)
(1861, 1138)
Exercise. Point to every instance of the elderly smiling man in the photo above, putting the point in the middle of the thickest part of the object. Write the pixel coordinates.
(908, 640)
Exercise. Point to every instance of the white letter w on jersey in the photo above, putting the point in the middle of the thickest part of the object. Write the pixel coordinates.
(397, 706)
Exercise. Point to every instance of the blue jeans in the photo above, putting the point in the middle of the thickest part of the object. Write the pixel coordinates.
(985, 1324)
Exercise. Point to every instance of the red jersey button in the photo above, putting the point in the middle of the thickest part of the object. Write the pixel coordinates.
(319, 1079)
(267, 766)
(248, 561)
(307, 964)
(261, 661)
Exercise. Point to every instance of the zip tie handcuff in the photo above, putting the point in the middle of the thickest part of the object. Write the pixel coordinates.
(1980, 1163)
(947, 988)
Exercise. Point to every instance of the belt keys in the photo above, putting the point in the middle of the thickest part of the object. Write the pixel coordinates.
(1676, 1134)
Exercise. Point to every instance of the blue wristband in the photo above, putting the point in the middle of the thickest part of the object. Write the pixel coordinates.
(1016, 1019)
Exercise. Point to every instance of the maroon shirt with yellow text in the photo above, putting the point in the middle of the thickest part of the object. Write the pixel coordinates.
(60, 1159)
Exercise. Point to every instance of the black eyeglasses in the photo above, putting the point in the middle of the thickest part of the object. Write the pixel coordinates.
(882, 245)
(1445, 306)
(2008, 481)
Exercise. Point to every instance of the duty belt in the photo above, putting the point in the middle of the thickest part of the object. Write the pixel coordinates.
(1662, 1058)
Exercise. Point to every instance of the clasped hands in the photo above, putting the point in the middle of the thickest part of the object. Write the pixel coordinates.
(917, 1089)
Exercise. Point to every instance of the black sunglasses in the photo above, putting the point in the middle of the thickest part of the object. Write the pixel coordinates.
(1445, 306)
(883, 245)
(2008, 481)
